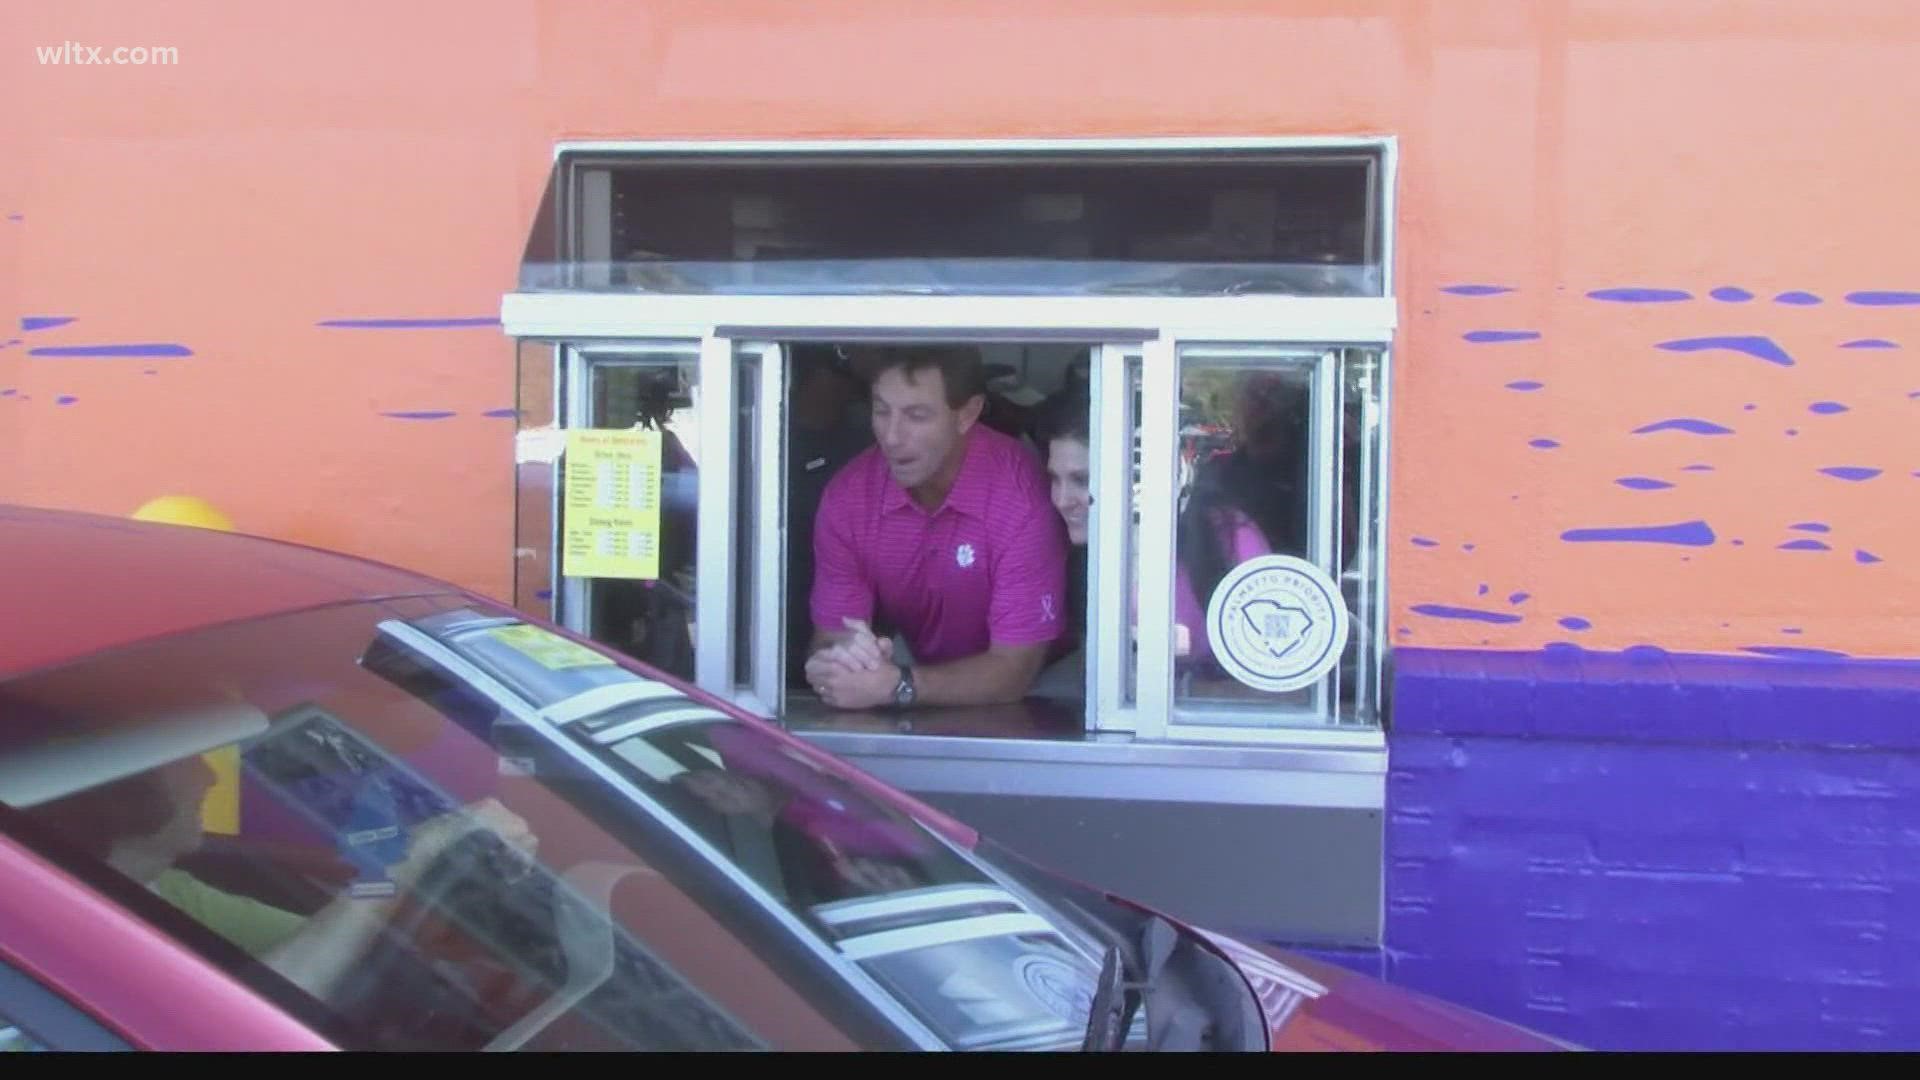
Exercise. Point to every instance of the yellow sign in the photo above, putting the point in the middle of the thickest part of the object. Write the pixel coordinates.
(612, 504)
(220, 809)
(549, 650)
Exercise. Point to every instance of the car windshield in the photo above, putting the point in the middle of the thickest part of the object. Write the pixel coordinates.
(427, 824)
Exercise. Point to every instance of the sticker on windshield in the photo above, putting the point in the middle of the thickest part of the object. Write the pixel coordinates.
(1277, 623)
(1066, 993)
(549, 650)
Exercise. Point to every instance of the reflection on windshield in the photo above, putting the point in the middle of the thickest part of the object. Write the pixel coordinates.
(970, 955)
(531, 846)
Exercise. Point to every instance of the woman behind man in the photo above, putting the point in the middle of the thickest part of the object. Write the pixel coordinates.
(1213, 533)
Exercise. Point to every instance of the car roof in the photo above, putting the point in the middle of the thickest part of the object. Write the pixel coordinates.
(72, 584)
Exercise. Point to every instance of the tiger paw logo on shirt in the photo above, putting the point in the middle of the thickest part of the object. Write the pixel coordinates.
(964, 555)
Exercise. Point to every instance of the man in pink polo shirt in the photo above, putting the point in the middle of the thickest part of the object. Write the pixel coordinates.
(945, 530)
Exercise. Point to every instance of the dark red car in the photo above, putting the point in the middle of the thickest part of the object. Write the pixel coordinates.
(261, 797)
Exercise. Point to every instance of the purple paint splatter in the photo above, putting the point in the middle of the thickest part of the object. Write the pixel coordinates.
(1754, 345)
(1788, 652)
(1851, 472)
(1640, 296)
(1811, 526)
(543, 594)
(1489, 337)
(1869, 343)
(1442, 611)
(1883, 298)
(433, 414)
(1685, 533)
(1792, 432)
(1687, 424)
(1483, 590)
(1796, 297)
(501, 414)
(1642, 483)
(1790, 630)
(1696, 468)
(1804, 545)
(1729, 294)
(1826, 408)
(1519, 598)
(1544, 444)
(155, 350)
(1476, 290)
(1466, 547)
(1524, 385)
(1863, 556)
(44, 322)
(1421, 541)
(65, 399)
(1576, 624)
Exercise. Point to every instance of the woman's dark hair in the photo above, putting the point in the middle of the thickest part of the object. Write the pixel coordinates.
(655, 406)
(1067, 414)
(1198, 535)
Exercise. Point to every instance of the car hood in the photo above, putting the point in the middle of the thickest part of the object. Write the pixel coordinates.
(1310, 1005)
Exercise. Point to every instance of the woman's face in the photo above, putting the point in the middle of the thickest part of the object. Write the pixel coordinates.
(1067, 468)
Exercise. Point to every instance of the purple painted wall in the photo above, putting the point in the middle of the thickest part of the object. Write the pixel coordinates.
(1643, 850)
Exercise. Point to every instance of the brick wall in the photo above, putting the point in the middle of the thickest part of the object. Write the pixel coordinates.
(1644, 850)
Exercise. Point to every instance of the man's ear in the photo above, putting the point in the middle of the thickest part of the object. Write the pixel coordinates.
(970, 412)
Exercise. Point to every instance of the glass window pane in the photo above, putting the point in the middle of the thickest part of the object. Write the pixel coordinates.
(12, 1038)
(405, 866)
(1279, 455)
(746, 514)
(1362, 448)
(1131, 683)
(1288, 222)
(653, 619)
(1244, 471)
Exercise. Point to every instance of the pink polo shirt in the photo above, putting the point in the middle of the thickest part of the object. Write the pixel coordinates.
(987, 568)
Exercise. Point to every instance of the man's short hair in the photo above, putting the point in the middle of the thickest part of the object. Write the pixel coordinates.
(960, 367)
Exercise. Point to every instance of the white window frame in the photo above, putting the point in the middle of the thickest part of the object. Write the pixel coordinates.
(578, 357)
(1154, 328)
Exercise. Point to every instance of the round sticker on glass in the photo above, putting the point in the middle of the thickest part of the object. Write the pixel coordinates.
(1277, 623)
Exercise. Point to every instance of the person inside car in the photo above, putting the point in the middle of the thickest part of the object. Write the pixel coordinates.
(144, 824)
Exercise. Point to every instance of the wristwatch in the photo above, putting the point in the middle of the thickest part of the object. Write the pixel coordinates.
(903, 691)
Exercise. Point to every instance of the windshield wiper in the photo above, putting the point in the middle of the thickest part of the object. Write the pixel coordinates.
(1115, 1000)
(1116, 997)
(1191, 1000)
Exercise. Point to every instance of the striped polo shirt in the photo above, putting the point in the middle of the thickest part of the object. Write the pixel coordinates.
(986, 568)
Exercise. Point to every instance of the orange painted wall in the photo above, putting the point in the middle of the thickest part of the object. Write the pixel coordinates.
(307, 163)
